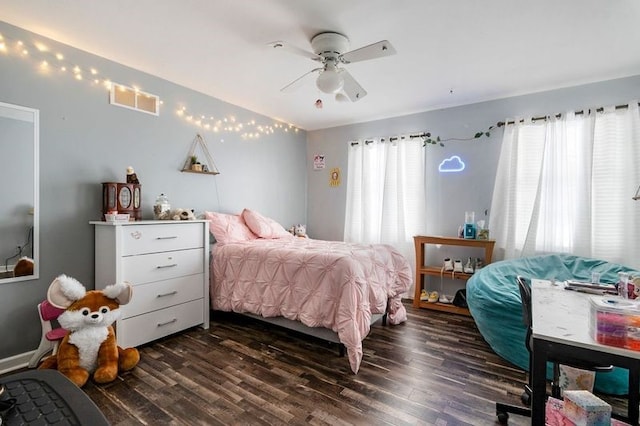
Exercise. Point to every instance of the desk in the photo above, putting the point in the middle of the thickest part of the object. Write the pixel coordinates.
(561, 330)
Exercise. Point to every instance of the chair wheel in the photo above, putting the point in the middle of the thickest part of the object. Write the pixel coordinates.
(503, 418)
(526, 399)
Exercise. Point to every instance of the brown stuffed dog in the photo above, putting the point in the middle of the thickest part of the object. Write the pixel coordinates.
(90, 345)
(23, 267)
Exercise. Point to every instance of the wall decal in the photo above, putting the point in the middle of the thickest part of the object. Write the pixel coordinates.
(318, 162)
(452, 164)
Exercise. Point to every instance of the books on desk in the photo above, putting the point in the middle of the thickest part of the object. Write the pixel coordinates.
(591, 288)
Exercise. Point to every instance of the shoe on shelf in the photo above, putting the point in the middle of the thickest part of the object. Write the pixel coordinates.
(468, 267)
(445, 299)
(478, 264)
(457, 266)
(448, 265)
(423, 295)
(433, 297)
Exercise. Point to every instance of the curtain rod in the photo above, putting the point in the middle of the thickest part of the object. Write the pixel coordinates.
(499, 124)
(391, 139)
(502, 123)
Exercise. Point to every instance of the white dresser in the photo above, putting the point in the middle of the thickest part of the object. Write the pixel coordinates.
(167, 262)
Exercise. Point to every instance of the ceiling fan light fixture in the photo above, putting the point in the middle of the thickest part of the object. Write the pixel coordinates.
(341, 97)
(330, 81)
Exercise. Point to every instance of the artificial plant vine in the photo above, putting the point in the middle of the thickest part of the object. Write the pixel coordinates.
(433, 141)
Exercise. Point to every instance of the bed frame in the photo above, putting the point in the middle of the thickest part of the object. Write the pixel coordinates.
(317, 332)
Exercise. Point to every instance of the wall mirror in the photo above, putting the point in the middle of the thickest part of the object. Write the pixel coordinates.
(19, 165)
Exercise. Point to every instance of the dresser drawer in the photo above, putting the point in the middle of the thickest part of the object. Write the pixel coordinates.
(144, 328)
(143, 239)
(148, 268)
(162, 294)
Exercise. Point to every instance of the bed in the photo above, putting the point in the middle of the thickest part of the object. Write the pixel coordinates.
(494, 302)
(323, 285)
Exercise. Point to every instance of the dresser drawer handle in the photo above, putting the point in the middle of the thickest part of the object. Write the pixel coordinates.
(166, 238)
(173, 265)
(162, 324)
(171, 293)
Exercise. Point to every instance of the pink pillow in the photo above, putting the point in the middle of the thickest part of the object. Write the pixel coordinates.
(263, 226)
(228, 228)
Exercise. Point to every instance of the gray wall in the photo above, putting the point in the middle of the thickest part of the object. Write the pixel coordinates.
(448, 195)
(85, 141)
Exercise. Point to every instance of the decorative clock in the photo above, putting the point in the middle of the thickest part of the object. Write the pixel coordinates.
(123, 198)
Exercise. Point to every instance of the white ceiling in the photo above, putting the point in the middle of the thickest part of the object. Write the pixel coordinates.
(450, 53)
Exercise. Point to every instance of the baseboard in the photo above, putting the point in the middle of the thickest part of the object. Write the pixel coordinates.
(15, 362)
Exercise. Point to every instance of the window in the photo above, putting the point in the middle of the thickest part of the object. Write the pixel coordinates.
(565, 184)
(386, 192)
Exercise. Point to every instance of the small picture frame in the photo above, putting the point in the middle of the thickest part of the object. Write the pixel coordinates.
(334, 177)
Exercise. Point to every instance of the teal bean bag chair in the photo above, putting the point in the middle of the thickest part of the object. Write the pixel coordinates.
(494, 301)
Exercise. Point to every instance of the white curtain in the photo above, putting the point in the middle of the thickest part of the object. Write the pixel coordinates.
(566, 185)
(386, 192)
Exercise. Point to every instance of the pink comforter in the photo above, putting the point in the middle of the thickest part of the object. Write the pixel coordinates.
(327, 284)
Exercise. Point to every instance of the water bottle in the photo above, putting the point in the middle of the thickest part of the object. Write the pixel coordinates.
(469, 225)
(161, 207)
(623, 285)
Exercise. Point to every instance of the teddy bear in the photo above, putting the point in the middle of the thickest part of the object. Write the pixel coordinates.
(132, 177)
(300, 230)
(177, 214)
(90, 346)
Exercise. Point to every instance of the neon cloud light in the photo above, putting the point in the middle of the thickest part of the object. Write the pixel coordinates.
(452, 164)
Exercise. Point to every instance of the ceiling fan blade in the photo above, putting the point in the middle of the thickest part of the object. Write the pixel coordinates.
(351, 87)
(376, 50)
(295, 84)
(281, 45)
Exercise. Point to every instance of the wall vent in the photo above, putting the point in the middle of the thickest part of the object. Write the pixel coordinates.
(128, 97)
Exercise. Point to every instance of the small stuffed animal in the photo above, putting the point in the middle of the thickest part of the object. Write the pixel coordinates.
(24, 266)
(131, 175)
(300, 230)
(177, 214)
(90, 345)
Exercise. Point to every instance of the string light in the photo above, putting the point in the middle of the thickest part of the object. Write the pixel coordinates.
(43, 59)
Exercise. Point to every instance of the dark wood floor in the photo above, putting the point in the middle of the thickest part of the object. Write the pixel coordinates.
(433, 370)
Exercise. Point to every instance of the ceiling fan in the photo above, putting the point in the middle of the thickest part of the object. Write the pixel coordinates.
(330, 49)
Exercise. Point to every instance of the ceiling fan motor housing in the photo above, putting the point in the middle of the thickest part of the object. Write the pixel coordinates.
(330, 45)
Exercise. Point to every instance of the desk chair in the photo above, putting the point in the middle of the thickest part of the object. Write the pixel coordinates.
(51, 335)
(503, 410)
(39, 397)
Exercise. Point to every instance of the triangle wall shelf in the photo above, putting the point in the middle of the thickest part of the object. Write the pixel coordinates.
(207, 168)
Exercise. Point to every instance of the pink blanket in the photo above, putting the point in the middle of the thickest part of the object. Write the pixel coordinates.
(327, 284)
